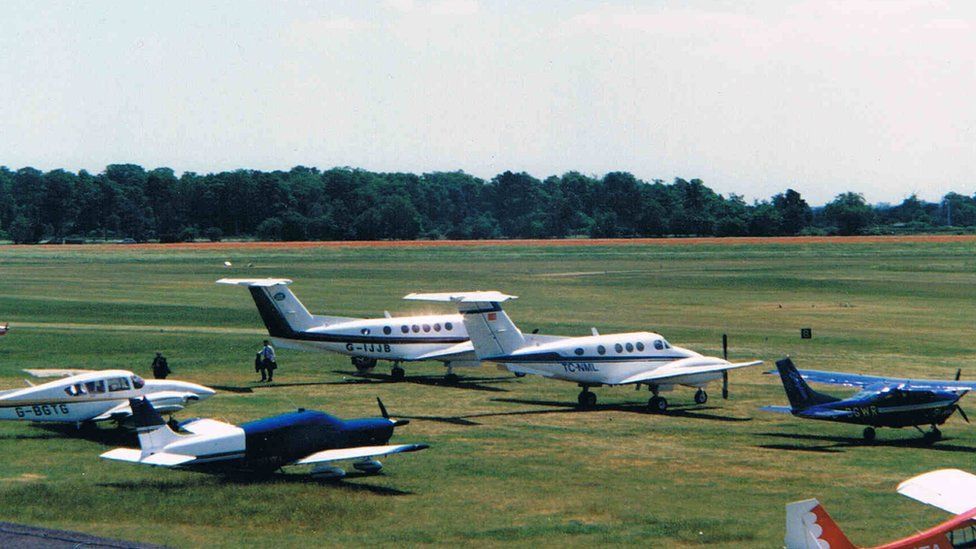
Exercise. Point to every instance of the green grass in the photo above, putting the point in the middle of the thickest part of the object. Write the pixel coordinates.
(511, 461)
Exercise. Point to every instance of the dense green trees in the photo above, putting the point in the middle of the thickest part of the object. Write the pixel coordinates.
(126, 201)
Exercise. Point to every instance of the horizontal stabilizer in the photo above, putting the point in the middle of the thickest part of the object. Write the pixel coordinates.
(777, 409)
(949, 489)
(461, 351)
(260, 282)
(359, 453)
(159, 459)
(55, 372)
(209, 427)
(463, 297)
(685, 367)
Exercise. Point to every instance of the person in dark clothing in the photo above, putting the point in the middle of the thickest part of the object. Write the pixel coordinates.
(268, 360)
(160, 368)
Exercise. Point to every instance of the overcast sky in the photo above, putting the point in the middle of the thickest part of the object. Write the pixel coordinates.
(751, 97)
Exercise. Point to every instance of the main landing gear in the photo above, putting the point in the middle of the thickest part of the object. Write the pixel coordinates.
(397, 373)
(363, 364)
(659, 404)
(701, 397)
(450, 376)
(932, 436)
(586, 398)
(869, 434)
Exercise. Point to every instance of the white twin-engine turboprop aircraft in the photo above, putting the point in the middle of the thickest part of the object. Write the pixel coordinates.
(397, 339)
(612, 359)
(87, 396)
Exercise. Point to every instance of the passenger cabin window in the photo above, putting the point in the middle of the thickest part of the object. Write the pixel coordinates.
(601, 349)
(95, 386)
(578, 351)
(630, 347)
(658, 344)
(426, 327)
(640, 346)
(404, 329)
(437, 327)
(118, 384)
(364, 331)
(387, 330)
(75, 390)
(137, 382)
(619, 348)
(415, 328)
(448, 326)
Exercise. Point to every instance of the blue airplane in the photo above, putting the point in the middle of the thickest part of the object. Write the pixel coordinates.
(881, 402)
(305, 437)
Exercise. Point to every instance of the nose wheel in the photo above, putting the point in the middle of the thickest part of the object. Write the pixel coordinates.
(869, 434)
(397, 373)
(657, 404)
(701, 397)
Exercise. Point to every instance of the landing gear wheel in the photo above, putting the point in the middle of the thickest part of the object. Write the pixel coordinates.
(586, 399)
(397, 373)
(451, 378)
(701, 397)
(519, 374)
(869, 433)
(933, 435)
(363, 364)
(658, 404)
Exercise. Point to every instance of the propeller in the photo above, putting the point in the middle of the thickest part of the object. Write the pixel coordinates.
(386, 415)
(725, 373)
(958, 374)
(962, 413)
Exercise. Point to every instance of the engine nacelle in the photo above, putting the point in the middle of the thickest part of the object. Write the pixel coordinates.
(327, 472)
(368, 466)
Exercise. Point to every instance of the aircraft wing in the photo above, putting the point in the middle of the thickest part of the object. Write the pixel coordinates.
(118, 413)
(159, 459)
(359, 453)
(949, 489)
(461, 351)
(679, 370)
(863, 381)
(55, 372)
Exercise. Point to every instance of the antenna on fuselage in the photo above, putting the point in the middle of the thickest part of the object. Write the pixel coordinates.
(594, 331)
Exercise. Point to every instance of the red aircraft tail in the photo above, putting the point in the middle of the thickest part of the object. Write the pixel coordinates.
(808, 526)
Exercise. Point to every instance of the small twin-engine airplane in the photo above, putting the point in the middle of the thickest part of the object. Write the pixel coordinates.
(808, 526)
(305, 437)
(397, 339)
(613, 359)
(882, 401)
(87, 396)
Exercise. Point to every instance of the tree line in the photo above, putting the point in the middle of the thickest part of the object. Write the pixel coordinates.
(127, 201)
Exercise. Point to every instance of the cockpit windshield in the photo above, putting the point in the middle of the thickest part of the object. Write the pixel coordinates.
(137, 382)
(118, 384)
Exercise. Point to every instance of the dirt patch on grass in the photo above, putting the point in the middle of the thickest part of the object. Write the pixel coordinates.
(732, 241)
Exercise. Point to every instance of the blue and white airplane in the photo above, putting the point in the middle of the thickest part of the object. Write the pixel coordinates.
(881, 402)
(634, 358)
(366, 340)
(304, 437)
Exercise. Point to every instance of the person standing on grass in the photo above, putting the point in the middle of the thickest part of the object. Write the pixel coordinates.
(268, 360)
(160, 368)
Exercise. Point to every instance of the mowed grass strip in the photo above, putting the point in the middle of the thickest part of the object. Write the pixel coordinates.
(512, 461)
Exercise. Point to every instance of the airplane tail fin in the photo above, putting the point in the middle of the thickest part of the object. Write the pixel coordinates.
(800, 394)
(808, 526)
(152, 430)
(283, 314)
(492, 332)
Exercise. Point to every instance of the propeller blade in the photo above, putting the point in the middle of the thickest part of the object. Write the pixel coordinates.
(725, 346)
(382, 408)
(958, 374)
(725, 384)
(400, 422)
(962, 413)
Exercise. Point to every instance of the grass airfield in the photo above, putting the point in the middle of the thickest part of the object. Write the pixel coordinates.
(511, 460)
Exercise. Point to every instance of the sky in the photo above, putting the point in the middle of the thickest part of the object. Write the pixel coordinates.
(877, 97)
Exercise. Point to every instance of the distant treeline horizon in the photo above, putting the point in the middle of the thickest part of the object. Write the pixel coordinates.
(127, 201)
